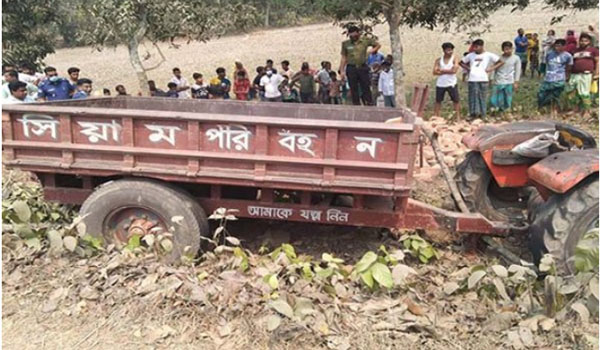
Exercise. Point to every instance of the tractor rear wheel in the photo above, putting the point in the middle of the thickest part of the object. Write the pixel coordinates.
(482, 194)
(562, 221)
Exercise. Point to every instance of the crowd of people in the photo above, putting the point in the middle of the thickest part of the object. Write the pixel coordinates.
(567, 64)
(365, 76)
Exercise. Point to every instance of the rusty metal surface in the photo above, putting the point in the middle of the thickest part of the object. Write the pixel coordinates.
(419, 100)
(490, 136)
(560, 172)
(415, 215)
(298, 146)
(241, 108)
(514, 175)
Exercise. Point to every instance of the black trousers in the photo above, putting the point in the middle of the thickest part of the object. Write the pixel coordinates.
(359, 76)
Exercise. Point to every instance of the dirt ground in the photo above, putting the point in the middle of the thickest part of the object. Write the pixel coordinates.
(120, 316)
(115, 301)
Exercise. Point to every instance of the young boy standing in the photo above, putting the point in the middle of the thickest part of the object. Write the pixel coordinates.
(307, 84)
(220, 85)
(521, 44)
(199, 89)
(558, 69)
(257, 89)
(335, 89)
(241, 86)
(173, 90)
(445, 68)
(181, 82)
(479, 63)
(506, 79)
(386, 85)
(323, 79)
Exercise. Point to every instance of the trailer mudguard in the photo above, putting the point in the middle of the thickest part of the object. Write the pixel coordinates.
(560, 172)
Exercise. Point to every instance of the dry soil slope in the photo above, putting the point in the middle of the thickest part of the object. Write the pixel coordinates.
(313, 43)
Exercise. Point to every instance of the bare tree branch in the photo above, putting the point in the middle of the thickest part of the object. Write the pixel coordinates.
(162, 58)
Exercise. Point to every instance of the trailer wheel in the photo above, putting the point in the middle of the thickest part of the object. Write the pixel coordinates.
(482, 194)
(120, 209)
(562, 221)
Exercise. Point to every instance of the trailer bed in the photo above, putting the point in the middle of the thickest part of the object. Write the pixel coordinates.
(267, 145)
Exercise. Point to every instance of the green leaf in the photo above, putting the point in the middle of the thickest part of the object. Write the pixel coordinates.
(282, 307)
(202, 275)
(34, 243)
(238, 252)
(325, 273)
(274, 254)
(365, 262)
(427, 252)
(134, 242)
(382, 274)
(271, 280)
(307, 272)
(367, 278)
(330, 259)
(416, 245)
(22, 210)
(93, 241)
(289, 251)
(24, 231)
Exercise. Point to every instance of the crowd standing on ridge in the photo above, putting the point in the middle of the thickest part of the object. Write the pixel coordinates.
(365, 76)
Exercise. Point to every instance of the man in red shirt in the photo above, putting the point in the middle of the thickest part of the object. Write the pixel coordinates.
(584, 71)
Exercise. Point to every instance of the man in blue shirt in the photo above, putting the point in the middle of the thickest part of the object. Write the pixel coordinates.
(559, 64)
(54, 87)
(84, 89)
(521, 44)
(375, 57)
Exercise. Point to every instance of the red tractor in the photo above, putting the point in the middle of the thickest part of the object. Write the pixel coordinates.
(541, 173)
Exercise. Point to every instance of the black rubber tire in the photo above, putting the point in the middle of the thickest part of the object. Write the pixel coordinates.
(200, 215)
(474, 179)
(160, 198)
(561, 221)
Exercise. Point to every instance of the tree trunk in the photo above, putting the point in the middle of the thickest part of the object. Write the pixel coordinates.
(134, 57)
(136, 63)
(391, 17)
(267, 13)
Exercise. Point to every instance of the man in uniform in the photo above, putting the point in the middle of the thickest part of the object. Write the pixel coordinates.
(354, 64)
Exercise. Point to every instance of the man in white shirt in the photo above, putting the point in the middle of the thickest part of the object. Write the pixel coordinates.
(445, 68)
(386, 85)
(479, 64)
(18, 93)
(13, 76)
(182, 83)
(271, 81)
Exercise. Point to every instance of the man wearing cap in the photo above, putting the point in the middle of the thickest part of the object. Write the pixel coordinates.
(354, 64)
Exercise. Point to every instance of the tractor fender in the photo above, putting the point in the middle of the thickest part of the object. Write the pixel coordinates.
(559, 172)
(507, 135)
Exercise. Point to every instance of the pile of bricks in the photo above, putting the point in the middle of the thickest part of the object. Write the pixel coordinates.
(449, 139)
